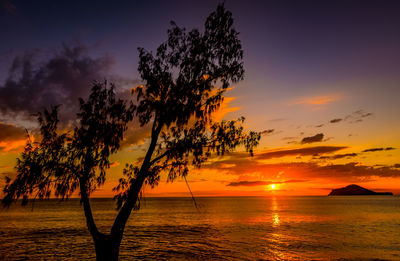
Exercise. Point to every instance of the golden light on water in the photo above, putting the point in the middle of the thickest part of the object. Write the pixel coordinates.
(276, 219)
(275, 210)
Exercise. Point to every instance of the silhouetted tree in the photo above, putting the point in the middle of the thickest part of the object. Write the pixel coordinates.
(183, 85)
(66, 162)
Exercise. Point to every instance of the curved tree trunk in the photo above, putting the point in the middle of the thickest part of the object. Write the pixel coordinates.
(107, 248)
(120, 221)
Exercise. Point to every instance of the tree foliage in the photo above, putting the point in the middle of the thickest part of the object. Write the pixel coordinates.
(184, 83)
(183, 86)
(61, 162)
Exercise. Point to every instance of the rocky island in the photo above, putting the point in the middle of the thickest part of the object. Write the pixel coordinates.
(353, 190)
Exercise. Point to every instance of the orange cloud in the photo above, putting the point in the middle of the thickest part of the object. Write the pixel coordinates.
(114, 164)
(12, 145)
(11, 137)
(318, 100)
(225, 109)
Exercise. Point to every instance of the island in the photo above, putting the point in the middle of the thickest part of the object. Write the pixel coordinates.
(354, 190)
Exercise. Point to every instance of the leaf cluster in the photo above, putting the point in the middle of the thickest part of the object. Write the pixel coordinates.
(62, 161)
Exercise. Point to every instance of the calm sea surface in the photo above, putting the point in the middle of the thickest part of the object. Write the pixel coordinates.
(243, 228)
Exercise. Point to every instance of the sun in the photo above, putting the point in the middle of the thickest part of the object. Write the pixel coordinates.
(272, 186)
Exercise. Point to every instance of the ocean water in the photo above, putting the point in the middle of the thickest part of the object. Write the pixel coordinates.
(222, 228)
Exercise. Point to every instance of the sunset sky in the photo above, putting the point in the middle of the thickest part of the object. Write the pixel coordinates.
(322, 82)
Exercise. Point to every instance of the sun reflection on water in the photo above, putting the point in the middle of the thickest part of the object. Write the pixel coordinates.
(275, 238)
(276, 219)
(275, 211)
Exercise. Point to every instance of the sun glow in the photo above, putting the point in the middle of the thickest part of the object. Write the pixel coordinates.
(272, 186)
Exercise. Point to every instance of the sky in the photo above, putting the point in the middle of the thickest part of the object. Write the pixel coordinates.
(322, 83)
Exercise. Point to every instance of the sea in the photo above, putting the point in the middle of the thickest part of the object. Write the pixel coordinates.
(219, 228)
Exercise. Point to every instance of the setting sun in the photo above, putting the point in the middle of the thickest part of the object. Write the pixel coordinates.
(272, 186)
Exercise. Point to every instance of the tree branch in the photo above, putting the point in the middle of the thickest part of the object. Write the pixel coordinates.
(160, 157)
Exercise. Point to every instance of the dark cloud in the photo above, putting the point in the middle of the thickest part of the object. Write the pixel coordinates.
(9, 132)
(249, 183)
(267, 132)
(261, 183)
(62, 79)
(310, 151)
(336, 120)
(316, 138)
(339, 156)
(378, 149)
(357, 116)
(319, 126)
(396, 166)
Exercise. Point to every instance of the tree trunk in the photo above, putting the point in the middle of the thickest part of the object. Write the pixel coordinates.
(118, 227)
(107, 248)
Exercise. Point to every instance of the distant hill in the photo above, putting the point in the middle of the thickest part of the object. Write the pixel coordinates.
(353, 190)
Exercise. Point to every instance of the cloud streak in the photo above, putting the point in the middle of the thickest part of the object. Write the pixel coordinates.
(260, 183)
(378, 149)
(339, 156)
(318, 100)
(268, 132)
(335, 120)
(316, 138)
(309, 151)
(355, 117)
